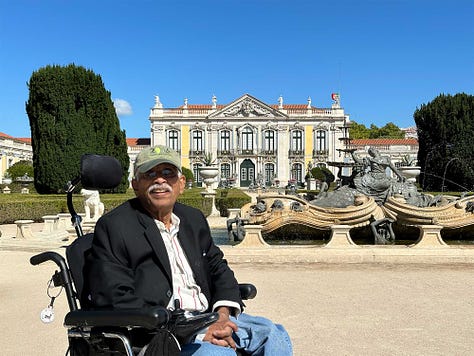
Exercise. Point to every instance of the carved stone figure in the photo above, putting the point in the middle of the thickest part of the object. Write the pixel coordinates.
(277, 205)
(246, 108)
(239, 233)
(296, 206)
(93, 204)
(374, 180)
(382, 231)
(370, 179)
(260, 207)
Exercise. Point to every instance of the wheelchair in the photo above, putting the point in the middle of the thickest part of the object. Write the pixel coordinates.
(114, 332)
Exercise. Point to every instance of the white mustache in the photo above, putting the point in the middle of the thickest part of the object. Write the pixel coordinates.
(164, 187)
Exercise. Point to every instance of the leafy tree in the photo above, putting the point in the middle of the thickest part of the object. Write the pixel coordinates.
(19, 169)
(390, 130)
(358, 131)
(446, 148)
(71, 113)
(374, 131)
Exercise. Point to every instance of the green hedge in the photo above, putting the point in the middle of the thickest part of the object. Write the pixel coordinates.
(34, 206)
(230, 198)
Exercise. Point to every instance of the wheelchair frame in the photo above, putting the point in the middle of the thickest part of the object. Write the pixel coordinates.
(99, 331)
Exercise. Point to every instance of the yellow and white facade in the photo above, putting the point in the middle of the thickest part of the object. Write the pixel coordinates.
(252, 141)
(13, 150)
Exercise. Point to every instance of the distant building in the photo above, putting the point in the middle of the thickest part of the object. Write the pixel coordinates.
(252, 141)
(134, 146)
(410, 132)
(399, 149)
(13, 150)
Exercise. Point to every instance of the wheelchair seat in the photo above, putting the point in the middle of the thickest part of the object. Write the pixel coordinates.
(117, 332)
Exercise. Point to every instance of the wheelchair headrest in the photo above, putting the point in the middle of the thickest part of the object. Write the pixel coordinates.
(100, 172)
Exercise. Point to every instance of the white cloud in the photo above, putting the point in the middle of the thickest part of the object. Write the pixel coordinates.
(122, 107)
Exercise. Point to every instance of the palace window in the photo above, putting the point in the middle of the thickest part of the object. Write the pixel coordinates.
(269, 141)
(225, 170)
(197, 176)
(297, 172)
(173, 139)
(269, 173)
(247, 139)
(224, 144)
(197, 141)
(321, 141)
(297, 140)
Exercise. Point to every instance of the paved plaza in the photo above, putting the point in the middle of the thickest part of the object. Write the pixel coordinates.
(328, 308)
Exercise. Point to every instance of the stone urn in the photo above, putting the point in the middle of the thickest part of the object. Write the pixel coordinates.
(6, 181)
(208, 175)
(410, 173)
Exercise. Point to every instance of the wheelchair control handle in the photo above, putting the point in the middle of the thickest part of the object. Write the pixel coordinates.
(64, 272)
(47, 256)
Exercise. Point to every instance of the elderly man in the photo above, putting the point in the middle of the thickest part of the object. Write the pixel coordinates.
(152, 251)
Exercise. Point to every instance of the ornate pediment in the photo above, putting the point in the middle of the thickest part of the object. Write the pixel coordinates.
(247, 106)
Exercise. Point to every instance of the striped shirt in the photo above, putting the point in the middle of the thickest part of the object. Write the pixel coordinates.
(185, 288)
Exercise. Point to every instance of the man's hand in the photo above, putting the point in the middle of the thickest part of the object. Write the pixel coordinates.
(220, 332)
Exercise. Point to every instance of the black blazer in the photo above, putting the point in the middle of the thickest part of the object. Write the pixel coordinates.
(128, 266)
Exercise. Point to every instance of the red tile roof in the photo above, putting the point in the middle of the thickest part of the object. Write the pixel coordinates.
(138, 142)
(26, 140)
(5, 135)
(384, 141)
(292, 106)
(220, 106)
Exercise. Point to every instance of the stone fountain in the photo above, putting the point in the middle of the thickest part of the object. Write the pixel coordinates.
(367, 200)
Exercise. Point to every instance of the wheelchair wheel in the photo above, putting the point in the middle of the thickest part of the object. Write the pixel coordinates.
(79, 347)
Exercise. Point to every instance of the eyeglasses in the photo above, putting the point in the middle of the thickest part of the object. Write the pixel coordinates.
(165, 173)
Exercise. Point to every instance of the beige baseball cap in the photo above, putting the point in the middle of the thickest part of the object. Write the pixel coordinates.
(152, 156)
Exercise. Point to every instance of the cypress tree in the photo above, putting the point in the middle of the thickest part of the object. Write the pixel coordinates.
(446, 146)
(71, 113)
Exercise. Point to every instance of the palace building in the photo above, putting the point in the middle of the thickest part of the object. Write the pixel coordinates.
(252, 141)
(13, 150)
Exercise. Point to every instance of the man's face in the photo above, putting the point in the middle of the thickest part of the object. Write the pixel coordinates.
(159, 188)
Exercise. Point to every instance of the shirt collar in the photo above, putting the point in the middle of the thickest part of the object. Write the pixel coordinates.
(174, 223)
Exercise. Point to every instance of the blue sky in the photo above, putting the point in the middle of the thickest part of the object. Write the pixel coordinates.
(384, 57)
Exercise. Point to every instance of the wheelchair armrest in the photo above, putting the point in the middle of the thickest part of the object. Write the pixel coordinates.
(186, 328)
(149, 318)
(247, 291)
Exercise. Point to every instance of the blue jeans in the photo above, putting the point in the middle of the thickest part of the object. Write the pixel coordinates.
(256, 336)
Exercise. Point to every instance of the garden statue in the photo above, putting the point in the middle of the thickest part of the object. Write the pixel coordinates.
(93, 204)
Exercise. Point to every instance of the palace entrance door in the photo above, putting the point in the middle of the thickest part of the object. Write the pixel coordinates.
(247, 173)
